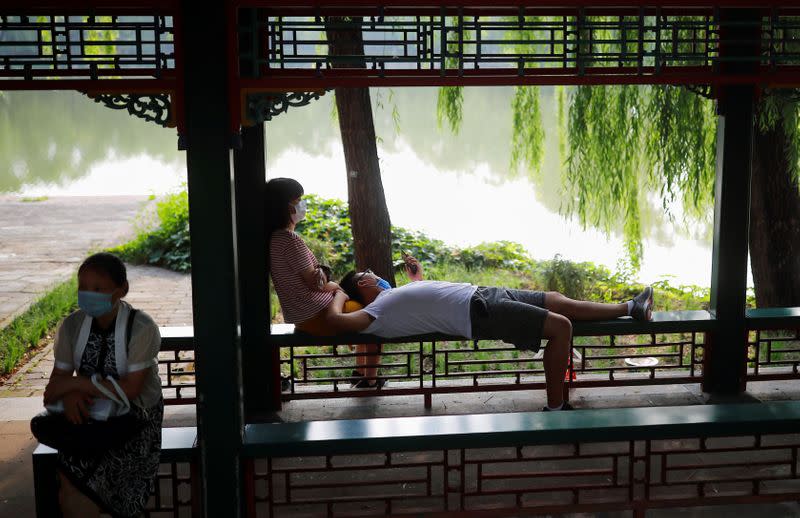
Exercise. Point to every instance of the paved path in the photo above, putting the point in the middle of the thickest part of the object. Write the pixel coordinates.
(42, 243)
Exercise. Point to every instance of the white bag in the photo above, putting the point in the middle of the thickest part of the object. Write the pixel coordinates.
(102, 408)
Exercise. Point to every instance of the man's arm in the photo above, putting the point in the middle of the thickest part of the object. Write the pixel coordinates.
(354, 322)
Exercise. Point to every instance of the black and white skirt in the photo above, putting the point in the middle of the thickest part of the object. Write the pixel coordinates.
(121, 480)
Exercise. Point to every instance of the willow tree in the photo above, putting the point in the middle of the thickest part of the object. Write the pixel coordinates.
(621, 143)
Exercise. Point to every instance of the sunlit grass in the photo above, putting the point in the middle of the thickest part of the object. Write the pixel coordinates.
(26, 331)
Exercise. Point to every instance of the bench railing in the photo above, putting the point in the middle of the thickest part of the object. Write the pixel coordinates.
(669, 350)
(774, 344)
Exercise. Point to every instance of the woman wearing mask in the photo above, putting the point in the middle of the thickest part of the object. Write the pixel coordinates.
(106, 343)
(302, 286)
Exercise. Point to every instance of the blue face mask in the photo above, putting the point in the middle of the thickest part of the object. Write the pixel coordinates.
(94, 304)
(382, 284)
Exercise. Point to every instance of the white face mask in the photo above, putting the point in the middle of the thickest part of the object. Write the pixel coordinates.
(299, 212)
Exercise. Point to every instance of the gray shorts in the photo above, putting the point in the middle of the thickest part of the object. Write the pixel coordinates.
(513, 316)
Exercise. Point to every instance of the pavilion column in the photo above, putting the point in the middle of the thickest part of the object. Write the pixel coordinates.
(725, 367)
(260, 362)
(214, 259)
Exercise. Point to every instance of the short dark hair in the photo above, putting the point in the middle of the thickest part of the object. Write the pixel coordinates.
(349, 286)
(106, 263)
(278, 194)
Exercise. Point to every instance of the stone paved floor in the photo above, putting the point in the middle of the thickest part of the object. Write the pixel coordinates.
(42, 243)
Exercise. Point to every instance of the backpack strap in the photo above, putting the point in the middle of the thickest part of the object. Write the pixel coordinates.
(129, 326)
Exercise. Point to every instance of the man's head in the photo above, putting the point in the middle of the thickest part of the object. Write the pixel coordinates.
(364, 286)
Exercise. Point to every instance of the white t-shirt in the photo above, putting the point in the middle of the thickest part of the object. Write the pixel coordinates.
(143, 347)
(422, 307)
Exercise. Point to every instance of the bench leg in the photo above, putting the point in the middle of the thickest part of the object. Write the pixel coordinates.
(428, 401)
(45, 484)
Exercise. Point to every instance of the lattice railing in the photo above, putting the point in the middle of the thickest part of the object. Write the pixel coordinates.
(90, 47)
(173, 490)
(773, 354)
(634, 475)
(522, 42)
(176, 368)
(429, 368)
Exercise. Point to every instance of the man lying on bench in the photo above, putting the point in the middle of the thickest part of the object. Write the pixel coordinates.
(519, 317)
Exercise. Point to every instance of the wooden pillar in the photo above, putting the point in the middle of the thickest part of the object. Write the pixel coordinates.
(727, 353)
(213, 247)
(260, 366)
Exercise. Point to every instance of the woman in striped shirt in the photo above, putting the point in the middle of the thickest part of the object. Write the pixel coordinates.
(303, 288)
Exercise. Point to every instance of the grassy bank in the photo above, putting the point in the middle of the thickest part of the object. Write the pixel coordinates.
(27, 330)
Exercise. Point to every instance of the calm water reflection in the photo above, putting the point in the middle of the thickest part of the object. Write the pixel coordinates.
(458, 188)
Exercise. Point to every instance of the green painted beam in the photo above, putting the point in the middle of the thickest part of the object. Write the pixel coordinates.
(773, 318)
(663, 322)
(215, 296)
(180, 337)
(500, 430)
(261, 372)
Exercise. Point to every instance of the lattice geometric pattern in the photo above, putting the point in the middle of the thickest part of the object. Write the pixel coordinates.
(178, 381)
(173, 491)
(429, 368)
(660, 44)
(548, 478)
(92, 46)
(774, 354)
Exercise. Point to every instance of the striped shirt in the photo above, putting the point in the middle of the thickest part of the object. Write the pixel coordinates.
(289, 256)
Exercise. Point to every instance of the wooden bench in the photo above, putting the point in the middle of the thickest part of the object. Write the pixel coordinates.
(178, 445)
(642, 441)
(773, 318)
(283, 334)
(692, 323)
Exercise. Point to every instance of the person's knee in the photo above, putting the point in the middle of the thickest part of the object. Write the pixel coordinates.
(557, 327)
(554, 301)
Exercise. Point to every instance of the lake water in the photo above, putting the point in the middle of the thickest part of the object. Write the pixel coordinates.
(457, 188)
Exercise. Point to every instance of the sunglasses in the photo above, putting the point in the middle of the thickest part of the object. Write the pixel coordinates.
(358, 278)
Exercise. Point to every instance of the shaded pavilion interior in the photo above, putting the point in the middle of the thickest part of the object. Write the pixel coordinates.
(219, 71)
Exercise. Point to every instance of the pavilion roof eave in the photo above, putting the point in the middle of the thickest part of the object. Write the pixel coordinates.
(86, 6)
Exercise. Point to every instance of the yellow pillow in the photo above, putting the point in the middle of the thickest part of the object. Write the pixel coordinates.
(352, 305)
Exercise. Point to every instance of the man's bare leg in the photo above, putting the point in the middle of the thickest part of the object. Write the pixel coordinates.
(367, 360)
(558, 332)
(583, 310)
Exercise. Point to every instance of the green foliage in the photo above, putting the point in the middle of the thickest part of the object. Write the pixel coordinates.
(25, 331)
(527, 145)
(619, 144)
(449, 106)
(498, 254)
(165, 243)
(327, 232)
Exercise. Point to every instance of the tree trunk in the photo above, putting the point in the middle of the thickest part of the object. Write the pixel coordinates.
(774, 220)
(369, 217)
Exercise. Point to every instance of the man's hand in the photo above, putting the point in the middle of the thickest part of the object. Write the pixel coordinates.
(411, 265)
(76, 406)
